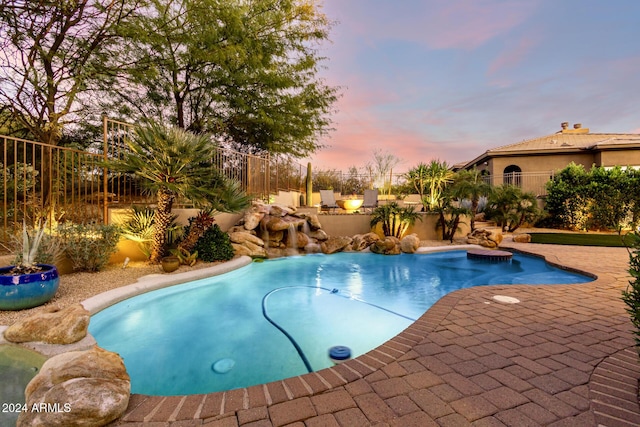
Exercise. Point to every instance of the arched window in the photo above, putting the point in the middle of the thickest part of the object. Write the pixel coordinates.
(512, 175)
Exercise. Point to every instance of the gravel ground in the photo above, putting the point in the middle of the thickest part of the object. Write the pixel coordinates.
(77, 287)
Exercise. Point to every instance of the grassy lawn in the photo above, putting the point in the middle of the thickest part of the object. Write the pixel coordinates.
(580, 239)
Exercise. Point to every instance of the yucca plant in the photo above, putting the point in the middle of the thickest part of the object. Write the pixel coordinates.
(395, 220)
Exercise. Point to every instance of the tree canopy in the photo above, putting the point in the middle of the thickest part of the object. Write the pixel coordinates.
(50, 51)
(245, 71)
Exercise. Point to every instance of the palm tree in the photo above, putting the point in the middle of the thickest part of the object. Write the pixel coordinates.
(175, 163)
(511, 207)
(469, 184)
(437, 175)
(417, 177)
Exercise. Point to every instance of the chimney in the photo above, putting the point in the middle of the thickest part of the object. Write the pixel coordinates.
(577, 128)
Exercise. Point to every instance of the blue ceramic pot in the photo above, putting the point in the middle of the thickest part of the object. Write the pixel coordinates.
(27, 290)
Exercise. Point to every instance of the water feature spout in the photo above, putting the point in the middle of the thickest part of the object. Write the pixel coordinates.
(292, 240)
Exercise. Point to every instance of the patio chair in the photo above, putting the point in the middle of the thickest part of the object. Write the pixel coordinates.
(327, 200)
(370, 200)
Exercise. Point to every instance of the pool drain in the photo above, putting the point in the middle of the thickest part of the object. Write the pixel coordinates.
(223, 366)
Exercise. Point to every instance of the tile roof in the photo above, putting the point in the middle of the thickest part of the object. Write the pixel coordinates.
(568, 141)
(563, 142)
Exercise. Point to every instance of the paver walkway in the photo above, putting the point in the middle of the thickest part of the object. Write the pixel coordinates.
(562, 356)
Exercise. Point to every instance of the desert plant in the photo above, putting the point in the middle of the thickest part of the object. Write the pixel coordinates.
(395, 220)
(430, 180)
(214, 245)
(185, 257)
(173, 162)
(138, 226)
(450, 213)
(35, 247)
(631, 295)
(89, 246)
(470, 185)
(198, 225)
(511, 208)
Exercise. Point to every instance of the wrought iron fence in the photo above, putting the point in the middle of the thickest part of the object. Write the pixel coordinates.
(65, 184)
(252, 172)
(40, 181)
(534, 182)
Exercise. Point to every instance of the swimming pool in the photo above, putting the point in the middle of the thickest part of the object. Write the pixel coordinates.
(276, 319)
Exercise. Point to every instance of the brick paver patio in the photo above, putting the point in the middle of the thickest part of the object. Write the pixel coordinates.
(562, 356)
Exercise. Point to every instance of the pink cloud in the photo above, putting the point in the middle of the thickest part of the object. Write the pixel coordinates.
(512, 56)
(439, 24)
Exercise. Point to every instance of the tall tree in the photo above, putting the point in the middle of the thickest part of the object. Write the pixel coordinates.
(246, 71)
(50, 51)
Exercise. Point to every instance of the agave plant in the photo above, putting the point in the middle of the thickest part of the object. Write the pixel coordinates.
(26, 259)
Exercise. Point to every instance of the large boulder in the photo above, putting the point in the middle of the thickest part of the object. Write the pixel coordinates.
(335, 244)
(250, 249)
(314, 222)
(242, 237)
(363, 241)
(281, 210)
(51, 325)
(283, 223)
(318, 234)
(409, 244)
(77, 388)
(253, 216)
(388, 246)
(489, 238)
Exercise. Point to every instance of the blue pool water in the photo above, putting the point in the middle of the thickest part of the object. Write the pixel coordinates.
(276, 319)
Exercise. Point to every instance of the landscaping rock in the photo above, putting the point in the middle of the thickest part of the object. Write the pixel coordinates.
(409, 244)
(250, 249)
(280, 210)
(363, 241)
(252, 218)
(522, 238)
(51, 325)
(489, 238)
(242, 237)
(86, 388)
(388, 246)
(335, 244)
(318, 235)
(283, 223)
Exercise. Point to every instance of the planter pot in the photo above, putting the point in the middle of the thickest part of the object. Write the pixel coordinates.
(170, 263)
(28, 290)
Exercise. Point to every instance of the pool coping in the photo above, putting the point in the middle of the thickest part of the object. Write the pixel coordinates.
(152, 282)
(363, 386)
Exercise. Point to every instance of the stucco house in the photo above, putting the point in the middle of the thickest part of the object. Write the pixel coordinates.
(530, 164)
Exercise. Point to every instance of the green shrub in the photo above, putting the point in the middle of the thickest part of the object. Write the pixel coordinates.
(89, 246)
(214, 245)
(631, 296)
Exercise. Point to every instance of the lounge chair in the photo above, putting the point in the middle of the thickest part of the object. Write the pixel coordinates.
(370, 199)
(327, 200)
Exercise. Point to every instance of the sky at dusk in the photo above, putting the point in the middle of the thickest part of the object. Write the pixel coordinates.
(450, 79)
